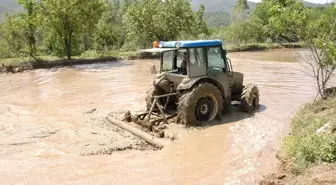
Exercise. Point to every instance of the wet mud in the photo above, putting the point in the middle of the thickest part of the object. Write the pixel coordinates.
(53, 128)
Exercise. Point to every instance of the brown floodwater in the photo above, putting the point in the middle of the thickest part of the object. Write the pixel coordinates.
(53, 131)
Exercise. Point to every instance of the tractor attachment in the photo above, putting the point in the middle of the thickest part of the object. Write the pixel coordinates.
(152, 123)
(155, 116)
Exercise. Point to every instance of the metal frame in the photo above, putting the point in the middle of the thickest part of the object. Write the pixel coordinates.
(161, 114)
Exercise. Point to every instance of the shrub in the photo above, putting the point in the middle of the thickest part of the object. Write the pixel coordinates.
(305, 147)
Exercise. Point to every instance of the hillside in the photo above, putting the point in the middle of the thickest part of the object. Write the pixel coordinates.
(227, 5)
(8, 6)
(218, 5)
(217, 19)
(217, 11)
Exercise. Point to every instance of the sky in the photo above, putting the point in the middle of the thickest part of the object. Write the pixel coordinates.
(312, 1)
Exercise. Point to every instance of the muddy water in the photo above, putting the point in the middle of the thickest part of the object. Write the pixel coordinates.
(52, 126)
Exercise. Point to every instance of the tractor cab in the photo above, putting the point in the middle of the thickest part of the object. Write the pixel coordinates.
(186, 60)
(191, 58)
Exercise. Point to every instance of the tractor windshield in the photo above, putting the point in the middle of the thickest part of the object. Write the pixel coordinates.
(215, 59)
(172, 60)
(168, 61)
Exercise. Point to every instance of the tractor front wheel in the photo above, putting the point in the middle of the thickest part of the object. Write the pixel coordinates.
(249, 98)
(202, 103)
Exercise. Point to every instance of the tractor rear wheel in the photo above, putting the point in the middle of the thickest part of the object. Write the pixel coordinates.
(249, 98)
(202, 103)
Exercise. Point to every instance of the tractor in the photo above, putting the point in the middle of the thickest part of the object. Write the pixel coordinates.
(196, 82)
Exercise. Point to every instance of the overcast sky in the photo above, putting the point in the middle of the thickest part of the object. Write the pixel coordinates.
(313, 1)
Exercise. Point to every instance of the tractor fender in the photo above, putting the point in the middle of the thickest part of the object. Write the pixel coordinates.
(188, 83)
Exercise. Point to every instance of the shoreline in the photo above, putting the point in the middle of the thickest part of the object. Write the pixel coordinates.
(15, 67)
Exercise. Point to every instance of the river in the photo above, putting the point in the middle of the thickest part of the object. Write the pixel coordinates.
(53, 131)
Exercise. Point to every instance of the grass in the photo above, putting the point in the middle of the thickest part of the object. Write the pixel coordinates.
(261, 46)
(308, 156)
(25, 63)
(305, 147)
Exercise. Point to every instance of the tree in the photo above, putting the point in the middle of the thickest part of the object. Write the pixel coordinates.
(240, 11)
(284, 23)
(321, 40)
(30, 22)
(68, 20)
(319, 37)
(148, 20)
(201, 25)
(12, 36)
(109, 32)
(19, 31)
(255, 29)
(13, 32)
(263, 13)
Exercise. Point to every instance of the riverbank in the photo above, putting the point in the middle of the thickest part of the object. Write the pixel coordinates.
(14, 65)
(308, 154)
(262, 46)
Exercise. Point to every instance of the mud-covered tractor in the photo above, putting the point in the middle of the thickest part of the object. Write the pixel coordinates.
(196, 82)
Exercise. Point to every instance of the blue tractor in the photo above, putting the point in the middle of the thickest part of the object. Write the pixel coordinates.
(196, 82)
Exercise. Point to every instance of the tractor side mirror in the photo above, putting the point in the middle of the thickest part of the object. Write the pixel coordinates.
(230, 66)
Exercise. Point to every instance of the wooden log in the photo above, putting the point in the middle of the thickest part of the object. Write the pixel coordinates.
(160, 143)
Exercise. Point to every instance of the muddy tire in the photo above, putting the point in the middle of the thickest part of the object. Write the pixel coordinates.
(249, 98)
(150, 96)
(202, 103)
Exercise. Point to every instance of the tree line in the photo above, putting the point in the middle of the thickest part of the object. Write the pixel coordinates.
(261, 24)
(67, 28)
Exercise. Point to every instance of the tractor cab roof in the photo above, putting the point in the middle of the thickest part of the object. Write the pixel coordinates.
(190, 44)
(163, 46)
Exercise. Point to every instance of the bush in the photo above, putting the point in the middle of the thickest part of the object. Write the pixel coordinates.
(305, 147)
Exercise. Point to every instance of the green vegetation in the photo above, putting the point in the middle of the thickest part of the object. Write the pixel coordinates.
(316, 29)
(72, 29)
(217, 19)
(306, 146)
(69, 29)
(313, 138)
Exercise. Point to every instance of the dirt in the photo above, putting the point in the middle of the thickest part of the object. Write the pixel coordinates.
(321, 174)
(53, 128)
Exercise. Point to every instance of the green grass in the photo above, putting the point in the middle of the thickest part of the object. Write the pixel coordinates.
(304, 147)
(115, 53)
(260, 46)
(91, 54)
(20, 60)
(14, 61)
